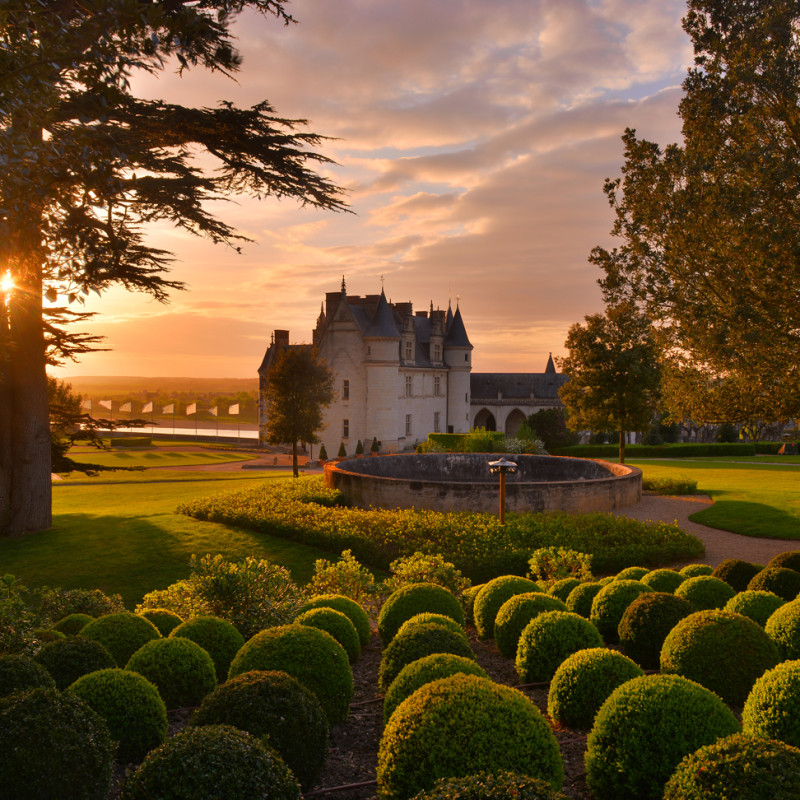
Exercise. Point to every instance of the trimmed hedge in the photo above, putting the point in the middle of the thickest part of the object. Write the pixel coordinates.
(783, 627)
(790, 559)
(643, 731)
(580, 599)
(218, 637)
(758, 605)
(515, 615)
(631, 574)
(782, 581)
(165, 620)
(491, 598)
(352, 610)
(772, 709)
(562, 588)
(67, 659)
(681, 450)
(646, 623)
(610, 603)
(122, 634)
(499, 785)
(18, 673)
(736, 573)
(663, 580)
(72, 624)
(705, 592)
(693, 570)
(413, 599)
(337, 625)
(425, 738)
(439, 619)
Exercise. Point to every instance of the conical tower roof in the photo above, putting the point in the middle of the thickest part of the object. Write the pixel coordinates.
(551, 367)
(456, 332)
(383, 325)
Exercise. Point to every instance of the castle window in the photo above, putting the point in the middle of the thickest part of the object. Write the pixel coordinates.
(409, 385)
(345, 429)
(437, 385)
(466, 356)
(345, 389)
(437, 352)
(408, 424)
(436, 422)
(409, 351)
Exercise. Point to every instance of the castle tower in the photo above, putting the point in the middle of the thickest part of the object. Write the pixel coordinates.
(458, 357)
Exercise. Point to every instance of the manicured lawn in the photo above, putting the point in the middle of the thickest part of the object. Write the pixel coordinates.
(753, 496)
(120, 533)
(153, 459)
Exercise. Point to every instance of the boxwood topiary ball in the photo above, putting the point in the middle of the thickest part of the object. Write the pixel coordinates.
(72, 624)
(783, 627)
(693, 570)
(218, 637)
(122, 634)
(214, 758)
(549, 639)
(415, 675)
(739, 766)
(583, 682)
(493, 595)
(723, 651)
(19, 673)
(69, 658)
(275, 705)
(310, 655)
(413, 599)
(631, 574)
(645, 728)
(165, 620)
(646, 623)
(756, 604)
(516, 613)
(439, 619)
(562, 588)
(782, 581)
(790, 559)
(663, 580)
(772, 709)
(610, 603)
(736, 573)
(352, 610)
(182, 671)
(53, 745)
(131, 707)
(463, 725)
(705, 592)
(580, 599)
(422, 640)
(337, 625)
(468, 602)
(492, 786)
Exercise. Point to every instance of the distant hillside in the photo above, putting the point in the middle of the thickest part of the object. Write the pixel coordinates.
(116, 385)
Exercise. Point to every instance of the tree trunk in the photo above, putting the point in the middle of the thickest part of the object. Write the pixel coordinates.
(622, 447)
(295, 471)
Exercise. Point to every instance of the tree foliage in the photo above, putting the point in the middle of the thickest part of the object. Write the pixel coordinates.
(86, 166)
(613, 372)
(299, 386)
(710, 229)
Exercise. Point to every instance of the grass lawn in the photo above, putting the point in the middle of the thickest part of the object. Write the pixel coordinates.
(120, 533)
(153, 459)
(752, 495)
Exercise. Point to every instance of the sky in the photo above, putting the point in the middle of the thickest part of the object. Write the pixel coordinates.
(472, 137)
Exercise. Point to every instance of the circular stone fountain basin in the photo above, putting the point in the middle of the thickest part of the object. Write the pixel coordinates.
(462, 482)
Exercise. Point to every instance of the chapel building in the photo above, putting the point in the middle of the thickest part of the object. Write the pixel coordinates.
(400, 375)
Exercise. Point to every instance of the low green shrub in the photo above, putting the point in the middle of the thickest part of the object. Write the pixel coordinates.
(182, 671)
(423, 670)
(413, 599)
(19, 673)
(643, 731)
(218, 637)
(424, 738)
(646, 623)
(516, 613)
(67, 659)
(345, 577)
(693, 570)
(583, 682)
(164, 619)
(499, 785)
(468, 602)
(493, 595)
(425, 568)
(669, 485)
(548, 640)
(562, 588)
(121, 633)
(705, 592)
(309, 655)
(631, 574)
(758, 605)
(678, 450)
(131, 707)
(781, 581)
(337, 625)
(746, 767)
(551, 564)
(610, 604)
(350, 608)
(783, 627)
(427, 616)
(476, 544)
(72, 624)
(55, 603)
(53, 745)
(790, 560)
(663, 580)
(772, 709)
(232, 763)
(274, 705)
(45, 635)
(736, 573)
(722, 651)
(580, 599)
(422, 640)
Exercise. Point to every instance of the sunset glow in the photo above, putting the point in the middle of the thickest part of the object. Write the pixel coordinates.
(6, 283)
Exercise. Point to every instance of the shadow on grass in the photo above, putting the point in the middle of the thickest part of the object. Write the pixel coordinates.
(749, 519)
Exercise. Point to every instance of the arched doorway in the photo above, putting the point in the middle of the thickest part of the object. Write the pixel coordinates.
(485, 419)
(513, 422)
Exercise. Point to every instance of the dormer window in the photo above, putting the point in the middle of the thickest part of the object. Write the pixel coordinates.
(409, 351)
(437, 352)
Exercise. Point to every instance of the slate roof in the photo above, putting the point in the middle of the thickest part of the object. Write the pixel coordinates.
(383, 324)
(456, 335)
(513, 385)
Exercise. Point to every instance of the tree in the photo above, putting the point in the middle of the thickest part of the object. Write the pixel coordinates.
(550, 425)
(613, 373)
(710, 229)
(86, 165)
(299, 386)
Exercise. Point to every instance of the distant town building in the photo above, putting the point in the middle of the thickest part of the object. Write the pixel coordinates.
(400, 375)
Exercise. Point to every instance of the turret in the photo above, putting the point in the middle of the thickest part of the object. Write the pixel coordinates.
(458, 357)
